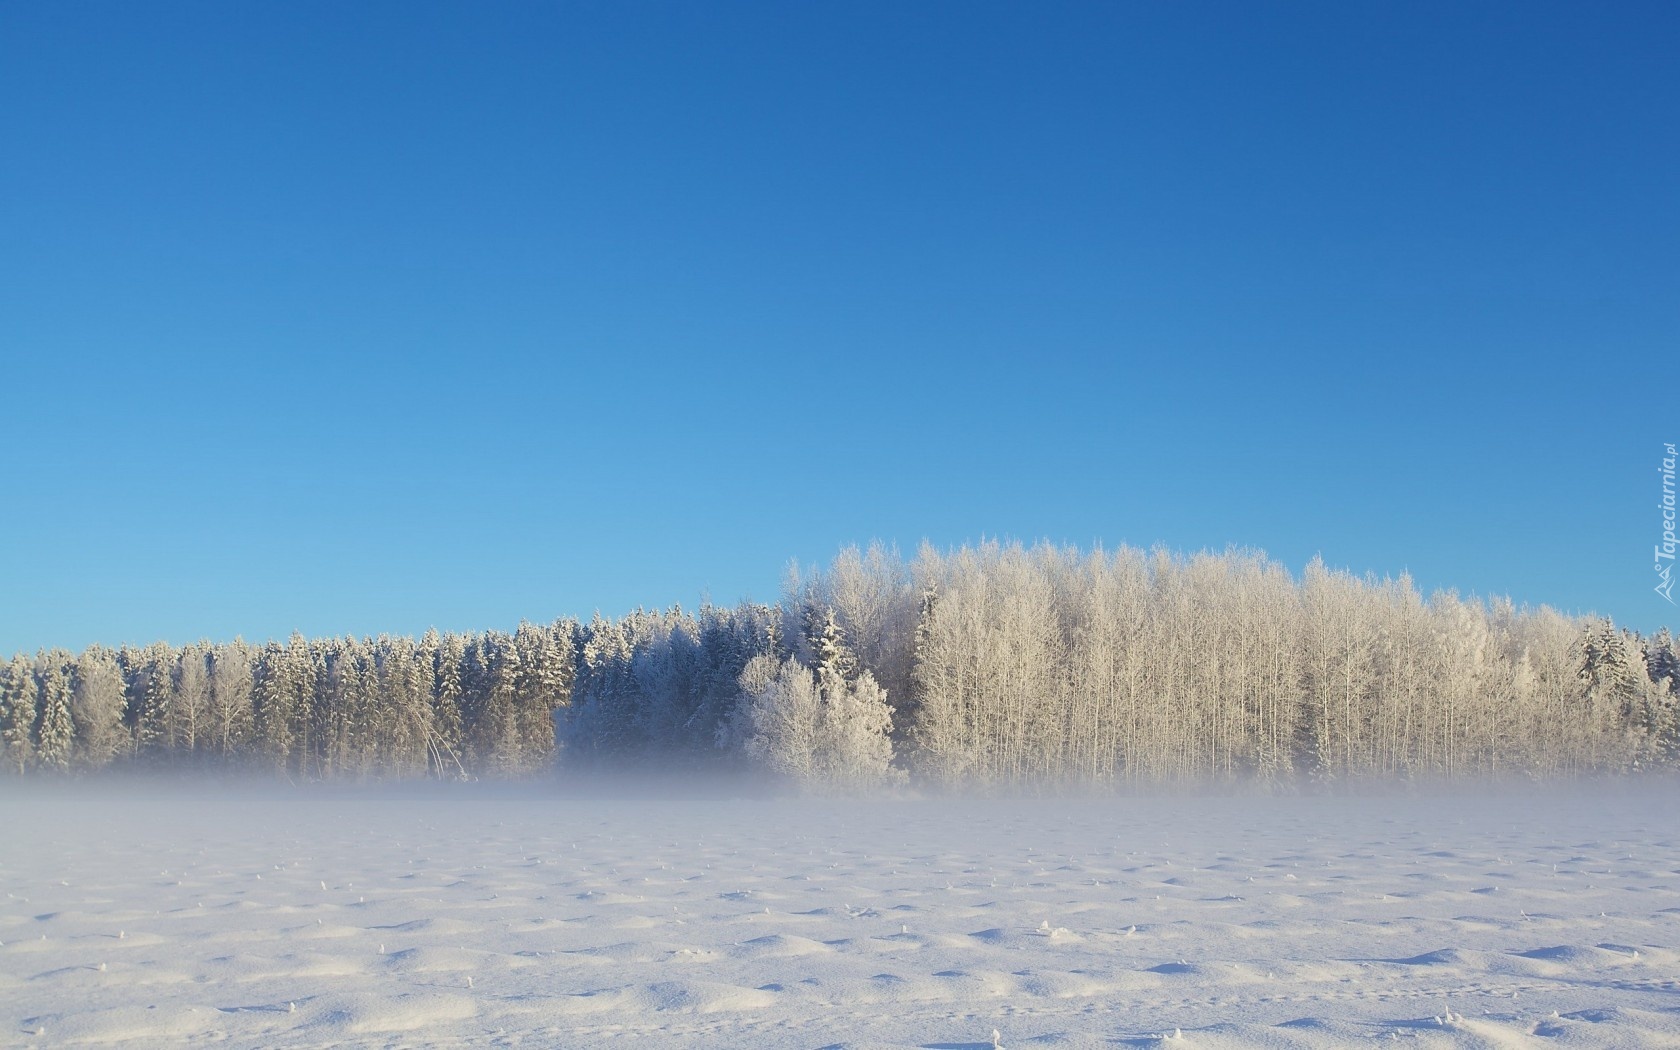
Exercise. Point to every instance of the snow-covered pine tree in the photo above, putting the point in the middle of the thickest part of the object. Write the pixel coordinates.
(369, 718)
(284, 694)
(402, 696)
(601, 723)
(54, 727)
(329, 712)
(1662, 666)
(348, 722)
(826, 642)
(1613, 690)
(854, 731)
(445, 745)
(729, 640)
(544, 687)
(149, 674)
(665, 665)
(1662, 663)
(490, 677)
(18, 713)
(270, 705)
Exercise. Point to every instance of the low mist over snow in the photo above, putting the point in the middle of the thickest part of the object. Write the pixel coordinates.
(996, 665)
(499, 918)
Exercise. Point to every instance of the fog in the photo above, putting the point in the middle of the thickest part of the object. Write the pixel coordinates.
(659, 913)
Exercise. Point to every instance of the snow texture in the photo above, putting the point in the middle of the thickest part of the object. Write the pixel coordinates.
(451, 921)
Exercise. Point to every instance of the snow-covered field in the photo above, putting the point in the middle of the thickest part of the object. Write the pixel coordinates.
(1515, 920)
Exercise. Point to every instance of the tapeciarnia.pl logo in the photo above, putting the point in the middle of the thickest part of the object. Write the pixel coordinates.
(1665, 550)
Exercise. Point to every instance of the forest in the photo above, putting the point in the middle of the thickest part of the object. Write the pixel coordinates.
(995, 664)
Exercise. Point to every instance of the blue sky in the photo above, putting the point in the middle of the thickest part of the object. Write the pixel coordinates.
(374, 317)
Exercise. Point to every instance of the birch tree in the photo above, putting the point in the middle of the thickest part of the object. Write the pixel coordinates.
(98, 694)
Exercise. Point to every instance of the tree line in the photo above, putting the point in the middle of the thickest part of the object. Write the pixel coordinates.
(444, 706)
(994, 664)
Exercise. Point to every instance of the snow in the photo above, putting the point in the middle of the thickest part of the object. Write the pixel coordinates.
(1511, 919)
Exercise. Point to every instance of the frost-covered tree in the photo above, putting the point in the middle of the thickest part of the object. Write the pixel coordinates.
(97, 696)
(284, 688)
(270, 705)
(54, 726)
(489, 677)
(18, 714)
(603, 721)
(1662, 696)
(401, 705)
(230, 714)
(347, 724)
(190, 710)
(875, 603)
(990, 679)
(1336, 669)
(1003, 665)
(1662, 663)
(826, 642)
(1613, 687)
(778, 717)
(655, 687)
(665, 667)
(854, 732)
(149, 674)
(444, 745)
(728, 640)
(543, 687)
(814, 727)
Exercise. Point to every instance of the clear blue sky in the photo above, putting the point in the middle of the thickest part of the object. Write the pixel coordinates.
(351, 318)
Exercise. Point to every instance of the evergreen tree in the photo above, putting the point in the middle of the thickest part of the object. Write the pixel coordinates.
(815, 728)
(1013, 666)
(854, 741)
(1614, 694)
(490, 675)
(1662, 663)
(18, 714)
(345, 718)
(283, 695)
(150, 713)
(1662, 696)
(544, 686)
(603, 722)
(54, 727)
(827, 642)
(269, 704)
(728, 640)
(402, 702)
(445, 743)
